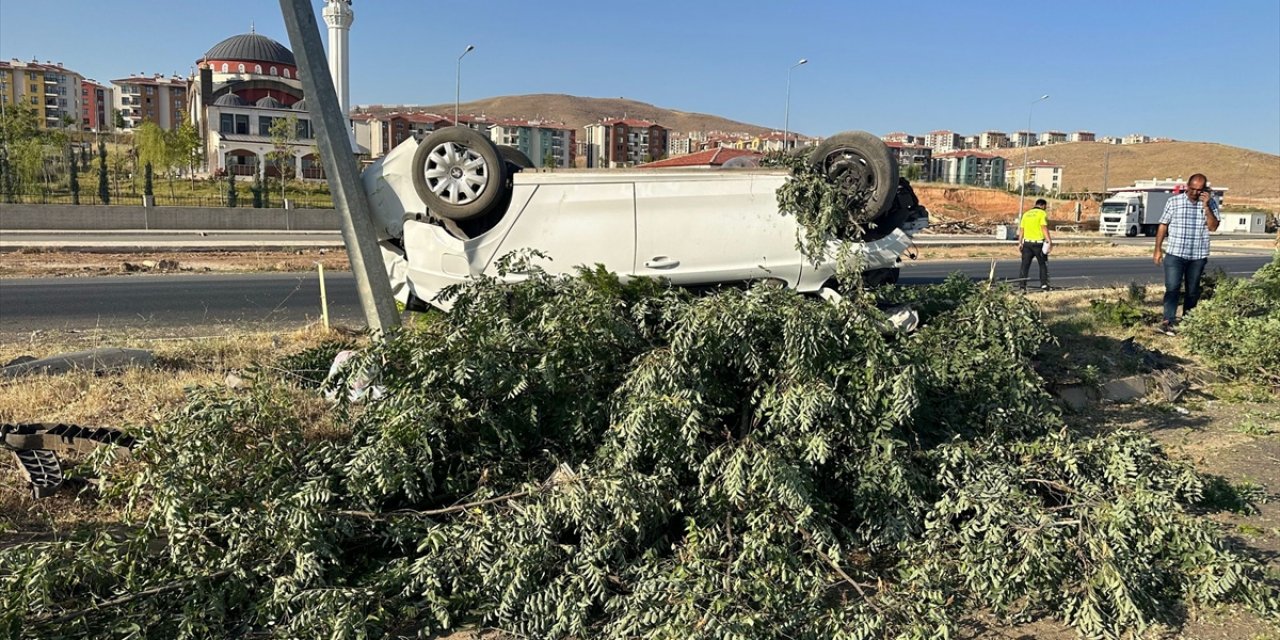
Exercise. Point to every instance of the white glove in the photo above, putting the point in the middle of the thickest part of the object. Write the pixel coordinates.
(1048, 246)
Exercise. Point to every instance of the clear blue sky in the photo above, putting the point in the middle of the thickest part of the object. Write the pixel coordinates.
(1193, 71)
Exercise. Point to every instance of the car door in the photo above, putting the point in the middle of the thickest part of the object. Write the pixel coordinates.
(576, 224)
(721, 227)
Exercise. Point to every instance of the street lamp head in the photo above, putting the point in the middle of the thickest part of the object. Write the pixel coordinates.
(803, 61)
(1044, 97)
(472, 47)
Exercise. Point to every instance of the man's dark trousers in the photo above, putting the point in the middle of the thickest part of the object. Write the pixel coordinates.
(1177, 271)
(1033, 250)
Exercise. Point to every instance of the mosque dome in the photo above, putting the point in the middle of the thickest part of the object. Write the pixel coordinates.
(230, 100)
(251, 47)
(267, 102)
(300, 105)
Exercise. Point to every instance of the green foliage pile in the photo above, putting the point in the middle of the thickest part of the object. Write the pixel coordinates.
(1127, 311)
(577, 457)
(1238, 329)
(819, 205)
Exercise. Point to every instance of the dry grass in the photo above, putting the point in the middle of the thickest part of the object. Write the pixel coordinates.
(126, 400)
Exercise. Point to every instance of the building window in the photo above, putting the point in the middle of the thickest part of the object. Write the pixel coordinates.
(274, 72)
(286, 72)
(224, 67)
(304, 129)
(264, 126)
(226, 124)
(240, 68)
(257, 68)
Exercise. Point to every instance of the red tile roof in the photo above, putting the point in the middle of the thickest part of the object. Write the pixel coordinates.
(630, 122)
(709, 158)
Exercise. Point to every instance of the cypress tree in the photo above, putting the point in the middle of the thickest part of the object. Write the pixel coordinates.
(231, 190)
(74, 177)
(147, 187)
(104, 191)
(257, 191)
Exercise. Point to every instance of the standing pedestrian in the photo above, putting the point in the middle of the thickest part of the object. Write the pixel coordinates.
(1187, 220)
(1034, 241)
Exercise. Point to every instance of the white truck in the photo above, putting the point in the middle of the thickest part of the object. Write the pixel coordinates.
(1137, 209)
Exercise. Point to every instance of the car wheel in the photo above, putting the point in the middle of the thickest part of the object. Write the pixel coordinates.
(862, 161)
(514, 157)
(459, 173)
(905, 204)
(1131, 232)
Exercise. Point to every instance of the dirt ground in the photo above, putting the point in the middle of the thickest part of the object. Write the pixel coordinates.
(38, 263)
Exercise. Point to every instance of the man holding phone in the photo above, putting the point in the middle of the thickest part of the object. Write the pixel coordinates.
(1187, 220)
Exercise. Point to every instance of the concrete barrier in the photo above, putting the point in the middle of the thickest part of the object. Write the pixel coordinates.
(58, 217)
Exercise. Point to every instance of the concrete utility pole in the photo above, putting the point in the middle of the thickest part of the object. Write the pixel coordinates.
(1022, 187)
(332, 139)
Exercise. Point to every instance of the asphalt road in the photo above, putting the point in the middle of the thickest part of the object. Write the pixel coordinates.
(183, 304)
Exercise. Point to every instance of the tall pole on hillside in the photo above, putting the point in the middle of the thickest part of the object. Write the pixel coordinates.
(1022, 178)
(786, 117)
(457, 85)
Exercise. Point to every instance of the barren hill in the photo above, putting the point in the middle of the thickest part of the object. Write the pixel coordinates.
(577, 112)
(1251, 176)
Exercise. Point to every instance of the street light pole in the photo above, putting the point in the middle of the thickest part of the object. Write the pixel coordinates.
(1022, 177)
(786, 118)
(457, 85)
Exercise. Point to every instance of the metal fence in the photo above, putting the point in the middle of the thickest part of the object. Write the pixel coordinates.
(244, 199)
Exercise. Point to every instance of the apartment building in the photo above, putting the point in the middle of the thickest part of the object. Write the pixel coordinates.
(943, 141)
(624, 142)
(1040, 176)
(1024, 139)
(539, 139)
(1135, 138)
(380, 133)
(1052, 137)
(679, 145)
(154, 98)
(1083, 136)
(53, 90)
(969, 167)
(913, 155)
(96, 106)
(993, 140)
(900, 138)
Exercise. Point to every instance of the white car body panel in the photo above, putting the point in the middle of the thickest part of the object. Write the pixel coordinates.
(691, 227)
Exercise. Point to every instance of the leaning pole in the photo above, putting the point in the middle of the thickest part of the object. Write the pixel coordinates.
(349, 198)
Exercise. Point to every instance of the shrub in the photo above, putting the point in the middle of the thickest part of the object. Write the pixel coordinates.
(1238, 330)
(578, 457)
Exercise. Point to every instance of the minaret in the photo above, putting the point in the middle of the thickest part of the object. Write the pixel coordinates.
(338, 15)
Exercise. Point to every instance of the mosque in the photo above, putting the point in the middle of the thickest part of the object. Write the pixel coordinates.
(247, 83)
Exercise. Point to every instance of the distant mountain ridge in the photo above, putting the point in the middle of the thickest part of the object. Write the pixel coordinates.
(577, 112)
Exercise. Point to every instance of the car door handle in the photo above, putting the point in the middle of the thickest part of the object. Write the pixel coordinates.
(661, 262)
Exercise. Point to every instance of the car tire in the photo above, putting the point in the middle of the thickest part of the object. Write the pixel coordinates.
(1131, 232)
(459, 174)
(904, 204)
(514, 158)
(864, 160)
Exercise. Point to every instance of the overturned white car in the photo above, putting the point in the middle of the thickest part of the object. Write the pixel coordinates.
(448, 207)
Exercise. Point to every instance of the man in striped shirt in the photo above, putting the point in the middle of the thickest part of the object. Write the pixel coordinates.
(1186, 222)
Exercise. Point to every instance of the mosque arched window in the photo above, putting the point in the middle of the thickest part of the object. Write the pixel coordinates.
(274, 72)
(240, 68)
(225, 67)
(257, 68)
(286, 72)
